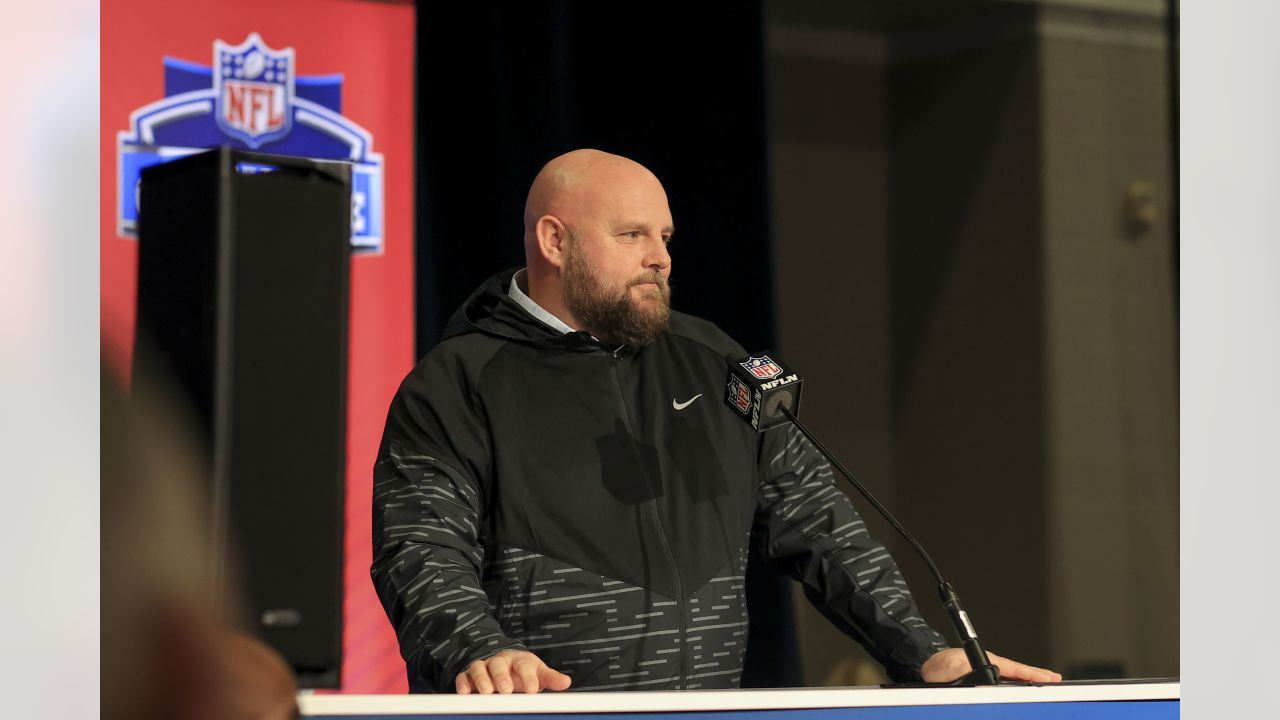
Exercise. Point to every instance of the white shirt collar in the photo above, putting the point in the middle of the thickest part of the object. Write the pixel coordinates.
(533, 308)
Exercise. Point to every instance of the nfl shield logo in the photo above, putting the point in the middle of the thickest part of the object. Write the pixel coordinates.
(253, 87)
(762, 367)
(739, 394)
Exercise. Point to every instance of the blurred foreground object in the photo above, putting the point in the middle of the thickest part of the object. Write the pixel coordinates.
(164, 652)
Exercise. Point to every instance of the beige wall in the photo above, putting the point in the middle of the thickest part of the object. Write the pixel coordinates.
(983, 343)
(1110, 334)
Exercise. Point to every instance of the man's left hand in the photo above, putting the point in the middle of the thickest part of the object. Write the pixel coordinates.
(947, 665)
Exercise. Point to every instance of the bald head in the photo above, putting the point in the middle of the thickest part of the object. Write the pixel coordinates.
(580, 183)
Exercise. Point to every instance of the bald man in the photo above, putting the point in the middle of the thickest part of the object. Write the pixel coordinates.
(562, 500)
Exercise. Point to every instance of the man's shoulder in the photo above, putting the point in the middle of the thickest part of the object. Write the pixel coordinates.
(704, 332)
(459, 359)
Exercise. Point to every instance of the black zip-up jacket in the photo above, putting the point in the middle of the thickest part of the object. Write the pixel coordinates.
(537, 490)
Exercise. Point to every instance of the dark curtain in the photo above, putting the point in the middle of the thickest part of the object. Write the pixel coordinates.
(505, 86)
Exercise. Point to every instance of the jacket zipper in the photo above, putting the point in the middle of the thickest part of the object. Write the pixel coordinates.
(662, 535)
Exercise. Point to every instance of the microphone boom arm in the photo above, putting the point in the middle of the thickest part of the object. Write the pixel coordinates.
(983, 672)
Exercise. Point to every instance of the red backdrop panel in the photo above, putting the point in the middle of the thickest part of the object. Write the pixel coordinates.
(371, 45)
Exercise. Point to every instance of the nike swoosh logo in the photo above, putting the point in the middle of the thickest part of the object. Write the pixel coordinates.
(686, 403)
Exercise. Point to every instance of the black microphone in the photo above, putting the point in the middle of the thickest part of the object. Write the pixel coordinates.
(759, 387)
(766, 394)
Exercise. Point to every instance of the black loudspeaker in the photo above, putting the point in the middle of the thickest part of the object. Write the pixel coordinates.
(243, 274)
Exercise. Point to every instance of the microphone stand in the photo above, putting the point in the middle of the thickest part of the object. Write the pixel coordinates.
(983, 672)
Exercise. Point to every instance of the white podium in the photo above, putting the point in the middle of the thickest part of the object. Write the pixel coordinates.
(1128, 700)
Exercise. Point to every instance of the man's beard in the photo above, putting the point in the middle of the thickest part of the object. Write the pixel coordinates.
(609, 313)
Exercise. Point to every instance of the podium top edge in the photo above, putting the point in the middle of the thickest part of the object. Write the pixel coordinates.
(730, 700)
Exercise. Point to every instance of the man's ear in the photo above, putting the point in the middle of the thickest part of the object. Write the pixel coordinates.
(553, 240)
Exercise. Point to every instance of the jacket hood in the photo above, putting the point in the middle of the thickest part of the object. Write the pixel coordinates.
(490, 310)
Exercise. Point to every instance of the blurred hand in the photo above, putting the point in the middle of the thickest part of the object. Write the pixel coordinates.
(950, 664)
(259, 683)
(509, 671)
